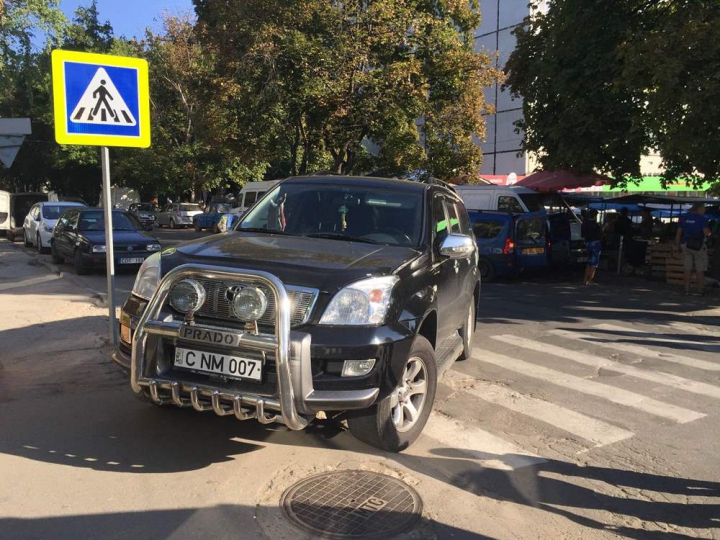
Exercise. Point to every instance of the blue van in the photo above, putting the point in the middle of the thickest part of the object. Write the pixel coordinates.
(509, 243)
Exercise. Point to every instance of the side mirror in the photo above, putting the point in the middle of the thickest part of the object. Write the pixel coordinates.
(38, 218)
(457, 246)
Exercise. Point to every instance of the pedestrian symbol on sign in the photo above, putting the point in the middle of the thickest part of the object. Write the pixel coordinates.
(101, 103)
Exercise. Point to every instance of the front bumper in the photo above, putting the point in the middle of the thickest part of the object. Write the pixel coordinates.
(297, 389)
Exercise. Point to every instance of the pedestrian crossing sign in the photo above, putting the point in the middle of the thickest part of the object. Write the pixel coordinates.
(100, 100)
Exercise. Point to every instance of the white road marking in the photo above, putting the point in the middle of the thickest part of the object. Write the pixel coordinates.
(590, 429)
(659, 377)
(492, 451)
(28, 282)
(585, 386)
(640, 350)
(659, 337)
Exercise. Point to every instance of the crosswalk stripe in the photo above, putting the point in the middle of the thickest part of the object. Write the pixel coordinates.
(610, 393)
(659, 377)
(659, 337)
(492, 451)
(590, 429)
(640, 350)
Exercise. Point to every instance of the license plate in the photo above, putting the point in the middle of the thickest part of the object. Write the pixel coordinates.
(131, 260)
(218, 364)
(533, 251)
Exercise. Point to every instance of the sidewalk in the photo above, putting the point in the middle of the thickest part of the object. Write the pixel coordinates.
(53, 334)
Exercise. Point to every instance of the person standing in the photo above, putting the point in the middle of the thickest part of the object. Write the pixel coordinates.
(691, 234)
(592, 233)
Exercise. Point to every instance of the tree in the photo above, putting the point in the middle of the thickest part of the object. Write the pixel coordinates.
(606, 82)
(314, 84)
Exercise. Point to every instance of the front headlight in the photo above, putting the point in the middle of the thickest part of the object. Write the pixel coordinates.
(99, 249)
(153, 247)
(187, 296)
(148, 277)
(48, 228)
(249, 304)
(364, 302)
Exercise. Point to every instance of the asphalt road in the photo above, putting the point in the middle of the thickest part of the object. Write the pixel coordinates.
(584, 413)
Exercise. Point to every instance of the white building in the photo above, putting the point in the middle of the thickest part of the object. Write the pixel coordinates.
(502, 144)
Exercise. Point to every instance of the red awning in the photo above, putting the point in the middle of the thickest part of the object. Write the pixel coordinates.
(559, 180)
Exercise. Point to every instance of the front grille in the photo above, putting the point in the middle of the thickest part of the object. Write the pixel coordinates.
(135, 247)
(217, 306)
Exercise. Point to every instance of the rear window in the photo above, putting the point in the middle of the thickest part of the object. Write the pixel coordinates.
(52, 211)
(250, 198)
(488, 229)
(189, 207)
(531, 231)
(508, 203)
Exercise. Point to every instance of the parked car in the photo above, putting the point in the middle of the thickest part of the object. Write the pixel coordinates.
(13, 209)
(40, 223)
(79, 237)
(210, 217)
(146, 213)
(332, 295)
(178, 215)
(509, 243)
(514, 199)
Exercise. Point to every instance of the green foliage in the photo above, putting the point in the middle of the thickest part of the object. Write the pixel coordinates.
(313, 84)
(606, 82)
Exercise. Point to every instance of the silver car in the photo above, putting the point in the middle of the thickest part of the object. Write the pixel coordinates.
(178, 215)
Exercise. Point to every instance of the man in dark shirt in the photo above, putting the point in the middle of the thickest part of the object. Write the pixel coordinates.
(623, 225)
(592, 233)
(691, 234)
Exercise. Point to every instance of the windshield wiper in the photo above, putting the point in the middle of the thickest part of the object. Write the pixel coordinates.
(341, 236)
(261, 230)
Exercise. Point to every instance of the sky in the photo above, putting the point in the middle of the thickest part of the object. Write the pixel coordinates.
(130, 17)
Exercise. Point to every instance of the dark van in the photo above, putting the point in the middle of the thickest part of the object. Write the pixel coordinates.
(509, 243)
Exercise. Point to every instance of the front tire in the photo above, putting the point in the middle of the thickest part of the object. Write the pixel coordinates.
(26, 240)
(468, 331)
(197, 226)
(395, 422)
(38, 243)
(172, 224)
(56, 259)
(487, 270)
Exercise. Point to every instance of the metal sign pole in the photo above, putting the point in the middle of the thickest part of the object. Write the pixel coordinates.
(109, 251)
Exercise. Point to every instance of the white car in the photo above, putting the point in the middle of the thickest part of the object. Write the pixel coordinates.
(40, 223)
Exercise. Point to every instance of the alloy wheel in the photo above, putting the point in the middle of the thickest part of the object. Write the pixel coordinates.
(408, 399)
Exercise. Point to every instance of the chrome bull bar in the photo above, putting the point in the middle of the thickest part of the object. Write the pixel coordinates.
(243, 406)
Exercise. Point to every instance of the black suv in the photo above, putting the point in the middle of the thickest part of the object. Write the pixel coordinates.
(333, 294)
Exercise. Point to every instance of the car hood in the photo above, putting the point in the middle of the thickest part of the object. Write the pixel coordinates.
(120, 237)
(320, 263)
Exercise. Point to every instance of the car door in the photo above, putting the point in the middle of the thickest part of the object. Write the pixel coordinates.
(531, 240)
(31, 224)
(60, 233)
(67, 245)
(444, 277)
(464, 269)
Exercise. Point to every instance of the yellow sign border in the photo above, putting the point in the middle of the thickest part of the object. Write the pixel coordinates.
(59, 57)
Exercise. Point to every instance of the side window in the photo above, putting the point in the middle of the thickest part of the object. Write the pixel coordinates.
(508, 203)
(464, 219)
(439, 218)
(453, 217)
(250, 198)
(35, 212)
(73, 220)
(487, 229)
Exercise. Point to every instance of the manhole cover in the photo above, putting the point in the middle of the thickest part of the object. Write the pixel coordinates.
(352, 504)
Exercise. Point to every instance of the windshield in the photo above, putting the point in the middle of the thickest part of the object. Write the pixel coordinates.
(189, 207)
(146, 207)
(350, 213)
(53, 211)
(223, 208)
(95, 221)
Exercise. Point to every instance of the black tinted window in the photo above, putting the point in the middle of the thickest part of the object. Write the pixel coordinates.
(439, 226)
(250, 198)
(488, 229)
(95, 221)
(507, 203)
